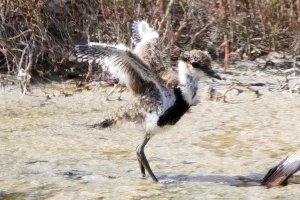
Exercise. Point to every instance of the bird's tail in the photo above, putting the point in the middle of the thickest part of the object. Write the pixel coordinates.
(105, 123)
(280, 174)
(141, 30)
(129, 113)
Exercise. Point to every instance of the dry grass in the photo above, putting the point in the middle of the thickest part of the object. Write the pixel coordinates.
(37, 36)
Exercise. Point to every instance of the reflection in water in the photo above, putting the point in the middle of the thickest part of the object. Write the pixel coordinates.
(238, 181)
(12, 195)
(295, 179)
(49, 152)
(76, 174)
(35, 161)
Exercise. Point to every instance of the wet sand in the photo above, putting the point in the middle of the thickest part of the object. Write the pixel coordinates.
(48, 152)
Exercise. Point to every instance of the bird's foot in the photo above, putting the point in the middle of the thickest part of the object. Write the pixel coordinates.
(144, 165)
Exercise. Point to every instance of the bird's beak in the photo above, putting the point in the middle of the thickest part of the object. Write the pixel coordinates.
(213, 74)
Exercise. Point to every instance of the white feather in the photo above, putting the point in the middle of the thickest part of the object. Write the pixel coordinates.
(151, 122)
(146, 32)
(187, 86)
(182, 71)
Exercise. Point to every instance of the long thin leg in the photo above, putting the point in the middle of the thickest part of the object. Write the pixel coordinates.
(144, 165)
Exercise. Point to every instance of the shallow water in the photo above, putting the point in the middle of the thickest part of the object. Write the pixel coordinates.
(48, 152)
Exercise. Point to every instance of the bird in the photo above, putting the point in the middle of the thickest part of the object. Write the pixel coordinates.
(143, 72)
(280, 174)
(156, 105)
(147, 47)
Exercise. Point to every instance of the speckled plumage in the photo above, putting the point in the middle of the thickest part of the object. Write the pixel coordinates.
(147, 44)
(156, 104)
(148, 47)
(153, 95)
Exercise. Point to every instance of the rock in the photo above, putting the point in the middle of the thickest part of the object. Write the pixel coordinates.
(276, 55)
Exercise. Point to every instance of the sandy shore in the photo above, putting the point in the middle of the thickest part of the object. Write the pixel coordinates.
(47, 151)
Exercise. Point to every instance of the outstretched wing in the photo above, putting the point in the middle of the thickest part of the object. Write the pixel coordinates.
(122, 63)
(142, 31)
(280, 174)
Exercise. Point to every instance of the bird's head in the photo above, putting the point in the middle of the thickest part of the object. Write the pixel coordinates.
(198, 63)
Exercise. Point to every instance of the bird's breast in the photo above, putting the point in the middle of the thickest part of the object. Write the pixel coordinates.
(173, 114)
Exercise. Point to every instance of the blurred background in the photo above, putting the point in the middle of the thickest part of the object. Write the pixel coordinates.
(38, 36)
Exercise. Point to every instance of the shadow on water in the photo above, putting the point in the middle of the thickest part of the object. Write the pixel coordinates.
(237, 181)
(12, 195)
(75, 174)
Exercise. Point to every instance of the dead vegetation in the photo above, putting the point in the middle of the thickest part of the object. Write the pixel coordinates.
(37, 36)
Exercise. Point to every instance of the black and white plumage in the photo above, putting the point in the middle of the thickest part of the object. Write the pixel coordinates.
(280, 174)
(148, 48)
(147, 44)
(156, 105)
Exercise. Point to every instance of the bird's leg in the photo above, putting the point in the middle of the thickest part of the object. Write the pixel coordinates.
(144, 165)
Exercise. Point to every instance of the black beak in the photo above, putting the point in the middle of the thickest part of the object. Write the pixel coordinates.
(213, 74)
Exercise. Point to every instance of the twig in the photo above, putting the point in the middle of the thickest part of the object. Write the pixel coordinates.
(184, 22)
(234, 85)
(22, 57)
(193, 38)
(153, 16)
(19, 35)
(3, 14)
(171, 2)
(226, 57)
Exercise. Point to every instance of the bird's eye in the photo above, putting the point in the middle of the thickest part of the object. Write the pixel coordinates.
(196, 64)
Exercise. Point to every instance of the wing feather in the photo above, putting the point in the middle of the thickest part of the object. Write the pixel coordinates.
(122, 63)
(141, 31)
